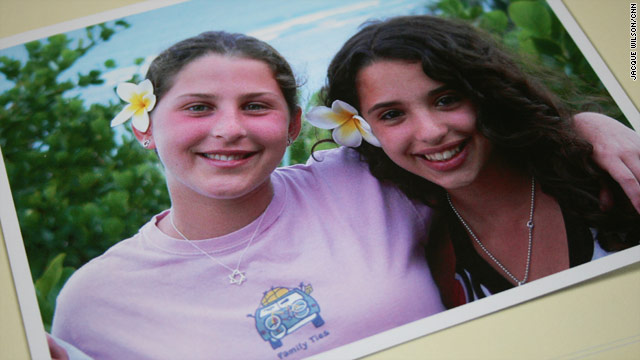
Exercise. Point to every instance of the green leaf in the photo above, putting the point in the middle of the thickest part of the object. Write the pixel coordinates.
(33, 46)
(50, 277)
(110, 64)
(532, 16)
(123, 24)
(547, 47)
(474, 12)
(105, 32)
(453, 8)
(87, 180)
(113, 227)
(494, 21)
(524, 42)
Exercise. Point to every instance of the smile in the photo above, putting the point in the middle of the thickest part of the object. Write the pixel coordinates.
(444, 155)
(226, 157)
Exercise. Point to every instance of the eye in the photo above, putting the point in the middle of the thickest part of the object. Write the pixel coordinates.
(448, 100)
(198, 108)
(253, 106)
(391, 114)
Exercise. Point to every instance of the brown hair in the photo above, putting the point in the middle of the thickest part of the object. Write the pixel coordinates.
(165, 66)
(523, 120)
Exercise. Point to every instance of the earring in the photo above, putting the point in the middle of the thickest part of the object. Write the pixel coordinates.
(146, 143)
(289, 141)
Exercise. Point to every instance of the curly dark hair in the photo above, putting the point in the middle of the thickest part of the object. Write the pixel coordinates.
(525, 122)
(168, 63)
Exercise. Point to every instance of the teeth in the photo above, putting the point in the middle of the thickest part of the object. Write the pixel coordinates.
(221, 157)
(443, 156)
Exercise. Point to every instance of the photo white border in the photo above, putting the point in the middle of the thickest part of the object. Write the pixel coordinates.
(17, 256)
(25, 291)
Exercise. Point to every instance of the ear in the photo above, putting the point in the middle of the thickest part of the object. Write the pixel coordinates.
(144, 137)
(295, 124)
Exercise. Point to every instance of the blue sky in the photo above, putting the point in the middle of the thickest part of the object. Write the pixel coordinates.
(307, 33)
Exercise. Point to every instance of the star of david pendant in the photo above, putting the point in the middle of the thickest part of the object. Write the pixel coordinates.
(237, 277)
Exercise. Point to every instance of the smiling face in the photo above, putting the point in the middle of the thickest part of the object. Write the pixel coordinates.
(423, 126)
(221, 129)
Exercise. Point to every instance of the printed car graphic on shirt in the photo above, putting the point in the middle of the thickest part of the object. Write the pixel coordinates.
(284, 311)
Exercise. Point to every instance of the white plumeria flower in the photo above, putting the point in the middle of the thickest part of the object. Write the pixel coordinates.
(141, 101)
(348, 127)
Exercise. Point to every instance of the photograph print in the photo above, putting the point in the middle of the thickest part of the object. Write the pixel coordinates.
(329, 183)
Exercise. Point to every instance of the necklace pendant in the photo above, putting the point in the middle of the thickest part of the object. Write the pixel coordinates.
(237, 277)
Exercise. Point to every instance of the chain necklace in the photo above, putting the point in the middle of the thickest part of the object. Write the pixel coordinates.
(236, 276)
(486, 251)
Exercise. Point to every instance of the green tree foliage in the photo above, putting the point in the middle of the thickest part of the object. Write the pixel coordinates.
(77, 187)
(530, 28)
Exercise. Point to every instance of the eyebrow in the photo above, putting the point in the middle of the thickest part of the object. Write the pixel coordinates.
(212, 96)
(258, 94)
(391, 103)
(382, 105)
(198, 95)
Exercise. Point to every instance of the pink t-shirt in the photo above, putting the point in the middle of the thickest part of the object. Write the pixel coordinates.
(336, 259)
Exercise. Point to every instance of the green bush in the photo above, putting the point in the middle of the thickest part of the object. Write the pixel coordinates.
(78, 189)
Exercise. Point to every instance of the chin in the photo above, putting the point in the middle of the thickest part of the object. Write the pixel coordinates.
(237, 192)
(453, 184)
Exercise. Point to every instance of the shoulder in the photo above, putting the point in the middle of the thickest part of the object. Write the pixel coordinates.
(91, 279)
(338, 167)
(339, 177)
(89, 276)
(331, 156)
(342, 159)
(93, 289)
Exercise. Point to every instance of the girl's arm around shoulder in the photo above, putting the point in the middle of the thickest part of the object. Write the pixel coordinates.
(616, 149)
(348, 177)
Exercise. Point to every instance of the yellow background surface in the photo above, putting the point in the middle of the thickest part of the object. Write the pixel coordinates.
(599, 319)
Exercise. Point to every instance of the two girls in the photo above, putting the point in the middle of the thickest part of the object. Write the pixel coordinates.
(252, 261)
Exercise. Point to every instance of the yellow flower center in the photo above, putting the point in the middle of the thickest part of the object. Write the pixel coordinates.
(139, 103)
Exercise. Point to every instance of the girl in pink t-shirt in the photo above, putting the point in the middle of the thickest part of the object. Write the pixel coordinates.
(250, 261)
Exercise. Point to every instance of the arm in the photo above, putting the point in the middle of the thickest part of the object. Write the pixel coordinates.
(57, 352)
(62, 350)
(616, 149)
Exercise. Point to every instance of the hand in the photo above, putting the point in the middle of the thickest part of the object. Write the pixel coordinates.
(57, 352)
(616, 149)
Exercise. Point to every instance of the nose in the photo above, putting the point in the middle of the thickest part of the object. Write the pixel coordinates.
(228, 126)
(428, 128)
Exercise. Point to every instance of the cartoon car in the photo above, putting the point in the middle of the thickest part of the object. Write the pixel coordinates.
(284, 311)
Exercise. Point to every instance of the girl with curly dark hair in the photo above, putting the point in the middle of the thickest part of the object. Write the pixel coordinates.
(465, 130)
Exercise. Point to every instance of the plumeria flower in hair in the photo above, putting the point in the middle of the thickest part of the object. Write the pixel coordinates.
(141, 101)
(349, 128)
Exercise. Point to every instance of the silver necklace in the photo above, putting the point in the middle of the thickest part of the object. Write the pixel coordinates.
(486, 251)
(236, 276)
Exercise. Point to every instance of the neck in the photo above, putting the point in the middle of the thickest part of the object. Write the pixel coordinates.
(498, 192)
(204, 218)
